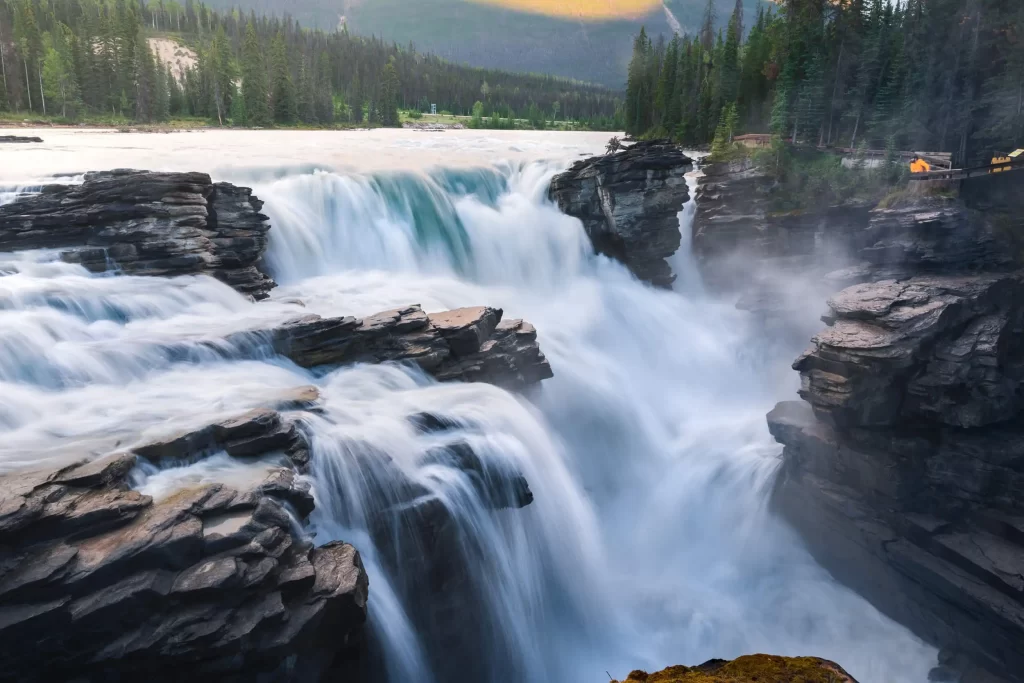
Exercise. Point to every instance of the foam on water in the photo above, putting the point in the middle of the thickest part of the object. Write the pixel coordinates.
(648, 542)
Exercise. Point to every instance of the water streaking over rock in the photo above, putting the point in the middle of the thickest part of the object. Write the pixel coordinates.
(612, 518)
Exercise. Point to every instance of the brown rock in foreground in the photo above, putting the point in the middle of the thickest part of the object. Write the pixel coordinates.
(750, 669)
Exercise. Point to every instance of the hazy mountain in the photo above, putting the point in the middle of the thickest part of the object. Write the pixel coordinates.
(493, 35)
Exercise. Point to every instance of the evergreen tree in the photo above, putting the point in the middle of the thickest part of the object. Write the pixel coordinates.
(285, 104)
(389, 93)
(254, 80)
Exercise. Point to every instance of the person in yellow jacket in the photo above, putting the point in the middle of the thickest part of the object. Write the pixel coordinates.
(919, 165)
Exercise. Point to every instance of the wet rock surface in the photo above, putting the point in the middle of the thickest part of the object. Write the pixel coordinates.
(904, 470)
(146, 223)
(749, 669)
(628, 202)
(467, 344)
(99, 582)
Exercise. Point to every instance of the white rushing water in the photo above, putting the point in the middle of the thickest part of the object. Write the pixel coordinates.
(648, 543)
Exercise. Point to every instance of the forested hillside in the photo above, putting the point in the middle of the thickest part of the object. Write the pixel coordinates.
(497, 36)
(935, 75)
(75, 58)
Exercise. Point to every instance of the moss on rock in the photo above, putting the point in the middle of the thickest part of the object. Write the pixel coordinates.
(750, 669)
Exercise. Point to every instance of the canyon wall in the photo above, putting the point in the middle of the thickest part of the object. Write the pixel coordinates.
(903, 466)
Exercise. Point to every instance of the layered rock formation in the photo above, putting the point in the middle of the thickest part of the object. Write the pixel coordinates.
(99, 582)
(749, 669)
(629, 202)
(466, 344)
(904, 470)
(145, 223)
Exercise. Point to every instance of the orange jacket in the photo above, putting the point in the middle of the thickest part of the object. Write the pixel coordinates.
(920, 166)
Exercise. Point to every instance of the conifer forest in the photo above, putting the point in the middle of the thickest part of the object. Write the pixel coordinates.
(938, 75)
(92, 59)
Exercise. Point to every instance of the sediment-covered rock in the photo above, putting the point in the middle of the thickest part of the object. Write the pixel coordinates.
(749, 669)
(466, 344)
(99, 582)
(146, 223)
(904, 471)
(629, 202)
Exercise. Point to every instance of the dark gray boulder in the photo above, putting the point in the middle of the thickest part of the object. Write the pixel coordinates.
(146, 223)
(629, 202)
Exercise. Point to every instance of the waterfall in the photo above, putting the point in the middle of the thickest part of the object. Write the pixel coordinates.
(648, 541)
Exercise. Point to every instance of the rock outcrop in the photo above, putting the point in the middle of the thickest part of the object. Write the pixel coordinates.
(146, 223)
(904, 470)
(772, 258)
(749, 669)
(19, 139)
(99, 582)
(467, 344)
(629, 202)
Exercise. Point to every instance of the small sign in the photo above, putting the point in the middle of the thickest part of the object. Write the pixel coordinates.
(433, 110)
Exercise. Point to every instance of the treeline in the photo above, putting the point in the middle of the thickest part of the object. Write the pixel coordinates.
(928, 75)
(90, 58)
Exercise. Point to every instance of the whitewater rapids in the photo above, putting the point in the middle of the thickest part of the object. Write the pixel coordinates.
(649, 542)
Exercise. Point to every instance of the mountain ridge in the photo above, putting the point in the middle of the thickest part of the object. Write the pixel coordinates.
(499, 37)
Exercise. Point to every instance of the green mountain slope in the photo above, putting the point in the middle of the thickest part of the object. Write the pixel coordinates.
(491, 36)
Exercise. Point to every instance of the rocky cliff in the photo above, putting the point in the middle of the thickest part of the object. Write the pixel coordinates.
(628, 202)
(144, 223)
(904, 469)
(746, 248)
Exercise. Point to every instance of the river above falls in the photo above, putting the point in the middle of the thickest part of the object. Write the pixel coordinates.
(225, 152)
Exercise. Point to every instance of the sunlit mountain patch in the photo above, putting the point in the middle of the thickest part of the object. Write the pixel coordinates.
(592, 10)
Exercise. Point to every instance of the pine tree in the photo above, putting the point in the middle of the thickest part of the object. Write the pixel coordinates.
(637, 92)
(285, 104)
(254, 80)
(389, 93)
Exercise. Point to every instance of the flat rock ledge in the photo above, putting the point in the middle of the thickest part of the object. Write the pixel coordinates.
(146, 223)
(904, 469)
(466, 344)
(749, 669)
(629, 203)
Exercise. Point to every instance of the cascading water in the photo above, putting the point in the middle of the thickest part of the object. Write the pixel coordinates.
(648, 542)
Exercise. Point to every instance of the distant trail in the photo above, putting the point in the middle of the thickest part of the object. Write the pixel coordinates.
(672, 21)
